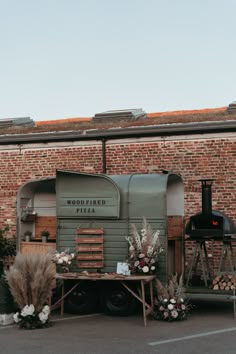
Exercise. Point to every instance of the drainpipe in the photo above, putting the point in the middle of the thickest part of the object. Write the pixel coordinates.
(104, 164)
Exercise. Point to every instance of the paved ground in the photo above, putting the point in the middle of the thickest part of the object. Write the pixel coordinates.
(210, 329)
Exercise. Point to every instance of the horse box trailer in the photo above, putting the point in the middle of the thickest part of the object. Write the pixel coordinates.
(111, 203)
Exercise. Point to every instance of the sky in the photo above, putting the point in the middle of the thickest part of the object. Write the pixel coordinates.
(75, 58)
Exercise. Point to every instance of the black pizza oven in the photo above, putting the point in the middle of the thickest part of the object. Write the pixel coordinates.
(209, 224)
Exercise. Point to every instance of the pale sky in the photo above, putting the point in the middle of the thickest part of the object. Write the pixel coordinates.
(75, 58)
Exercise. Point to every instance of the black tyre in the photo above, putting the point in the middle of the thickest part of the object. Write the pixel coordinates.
(115, 300)
(82, 300)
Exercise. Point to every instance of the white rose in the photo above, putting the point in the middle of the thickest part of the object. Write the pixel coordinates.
(43, 317)
(173, 301)
(60, 261)
(145, 269)
(153, 268)
(72, 255)
(28, 310)
(170, 307)
(46, 309)
(131, 248)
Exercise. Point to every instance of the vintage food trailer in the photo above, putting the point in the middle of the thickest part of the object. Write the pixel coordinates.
(76, 205)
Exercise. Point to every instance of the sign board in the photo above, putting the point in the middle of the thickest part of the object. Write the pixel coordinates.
(87, 196)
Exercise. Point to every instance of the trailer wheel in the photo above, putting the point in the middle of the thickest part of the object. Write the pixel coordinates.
(82, 300)
(117, 301)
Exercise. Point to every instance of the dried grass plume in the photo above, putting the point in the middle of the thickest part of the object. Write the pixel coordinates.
(31, 279)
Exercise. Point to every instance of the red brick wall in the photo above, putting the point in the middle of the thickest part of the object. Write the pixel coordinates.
(193, 159)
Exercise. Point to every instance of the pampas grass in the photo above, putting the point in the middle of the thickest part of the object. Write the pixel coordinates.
(173, 290)
(31, 279)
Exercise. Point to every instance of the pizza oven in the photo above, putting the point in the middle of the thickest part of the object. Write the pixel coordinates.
(209, 224)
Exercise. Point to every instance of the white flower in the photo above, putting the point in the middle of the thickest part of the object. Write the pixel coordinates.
(141, 255)
(16, 317)
(46, 309)
(60, 261)
(143, 232)
(182, 300)
(183, 307)
(152, 261)
(136, 263)
(72, 255)
(173, 301)
(28, 310)
(43, 317)
(165, 300)
(170, 307)
(145, 269)
(153, 268)
(174, 314)
(131, 248)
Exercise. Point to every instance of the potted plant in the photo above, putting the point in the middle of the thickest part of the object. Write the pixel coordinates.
(45, 234)
(27, 235)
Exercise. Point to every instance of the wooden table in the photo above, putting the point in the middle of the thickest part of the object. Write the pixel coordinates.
(125, 281)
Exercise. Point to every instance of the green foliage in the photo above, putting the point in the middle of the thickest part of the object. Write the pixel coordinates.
(7, 247)
(45, 233)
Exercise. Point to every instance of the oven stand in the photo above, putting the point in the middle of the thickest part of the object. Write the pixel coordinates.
(200, 255)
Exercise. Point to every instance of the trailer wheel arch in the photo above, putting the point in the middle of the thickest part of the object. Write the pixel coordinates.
(83, 299)
(115, 300)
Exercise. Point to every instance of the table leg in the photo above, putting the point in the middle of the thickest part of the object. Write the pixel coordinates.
(151, 294)
(62, 297)
(143, 302)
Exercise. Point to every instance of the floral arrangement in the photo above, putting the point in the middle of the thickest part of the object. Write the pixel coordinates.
(171, 303)
(144, 249)
(28, 318)
(63, 259)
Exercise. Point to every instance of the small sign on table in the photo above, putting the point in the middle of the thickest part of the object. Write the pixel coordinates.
(122, 268)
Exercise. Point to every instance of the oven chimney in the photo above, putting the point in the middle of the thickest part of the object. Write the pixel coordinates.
(206, 196)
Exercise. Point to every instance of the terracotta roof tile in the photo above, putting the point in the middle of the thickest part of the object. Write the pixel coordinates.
(61, 121)
(186, 112)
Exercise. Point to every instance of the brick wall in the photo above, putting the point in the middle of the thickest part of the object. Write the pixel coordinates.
(193, 159)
